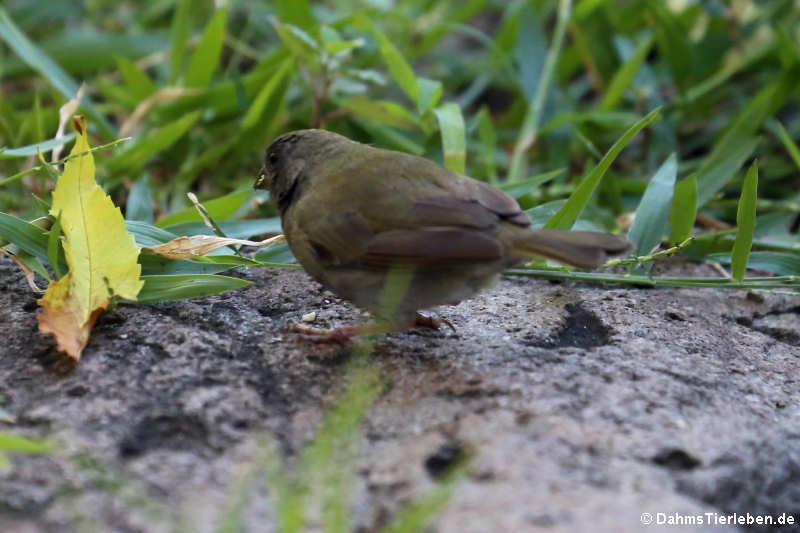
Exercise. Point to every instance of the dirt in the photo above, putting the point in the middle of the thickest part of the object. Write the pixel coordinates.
(580, 407)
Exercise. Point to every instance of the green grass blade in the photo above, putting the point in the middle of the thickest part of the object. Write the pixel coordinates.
(156, 265)
(454, 142)
(148, 235)
(533, 116)
(206, 57)
(140, 201)
(55, 252)
(33, 149)
(15, 444)
(255, 113)
(671, 37)
(783, 135)
(220, 208)
(746, 222)
(488, 137)
(29, 238)
(624, 76)
(572, 209)
(683, 210)
(295, 12)
(430, 92)
(236, 229)
(140, 153)
(780, 263)
(522, 187)
(652, 215)
(139, 83)
(398, 66)
(179, 34)
(383, 112)
(176, 287)
(420, 513)
(723, 162)
(42, 63)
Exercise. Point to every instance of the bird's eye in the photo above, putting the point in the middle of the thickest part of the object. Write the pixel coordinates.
(273, 158)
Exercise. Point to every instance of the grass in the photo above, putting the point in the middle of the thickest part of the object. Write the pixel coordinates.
(590, 115)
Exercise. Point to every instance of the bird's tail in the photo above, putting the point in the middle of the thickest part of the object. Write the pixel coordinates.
(582, 249)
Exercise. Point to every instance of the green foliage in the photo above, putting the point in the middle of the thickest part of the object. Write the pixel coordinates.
(14, 444)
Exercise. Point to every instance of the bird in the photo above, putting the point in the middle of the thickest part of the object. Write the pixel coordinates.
(395, 233)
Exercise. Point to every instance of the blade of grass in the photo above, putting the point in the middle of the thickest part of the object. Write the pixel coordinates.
(746, 222)
(42, 63)
(488, 137)
(206, 57)
(32, 149)
(220, 208)
(651, 220)
(254, 115)
(572, 209)
(25, 235)
(140, 153)
(683, 210)
(140, 201)
(530, 124)
(783, 135)
(624, 76)
(454, 143)
(295, 12)
(176, 287)
(179, 34)
(766, 282)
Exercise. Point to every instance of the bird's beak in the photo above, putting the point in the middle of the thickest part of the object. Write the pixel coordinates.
(261, 182)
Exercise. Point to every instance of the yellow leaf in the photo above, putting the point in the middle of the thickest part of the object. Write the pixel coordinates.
(100, 253)
(197, 245)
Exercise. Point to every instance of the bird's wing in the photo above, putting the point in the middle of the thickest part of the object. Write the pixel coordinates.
(404, 209)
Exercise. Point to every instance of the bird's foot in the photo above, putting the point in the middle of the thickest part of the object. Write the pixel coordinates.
(341, 335)
(432, 322)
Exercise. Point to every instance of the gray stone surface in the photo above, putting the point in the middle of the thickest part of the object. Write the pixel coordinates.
(581, 407)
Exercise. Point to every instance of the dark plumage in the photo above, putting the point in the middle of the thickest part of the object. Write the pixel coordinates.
(352, 213)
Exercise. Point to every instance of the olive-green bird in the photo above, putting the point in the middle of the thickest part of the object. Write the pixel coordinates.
(354, 215)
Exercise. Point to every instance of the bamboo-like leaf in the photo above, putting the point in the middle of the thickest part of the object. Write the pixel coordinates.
(746, 222)
(100, 253)
(652, 215)
(572, 209)
(454, 143)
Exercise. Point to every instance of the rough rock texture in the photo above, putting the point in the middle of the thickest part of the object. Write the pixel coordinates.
(581, 408)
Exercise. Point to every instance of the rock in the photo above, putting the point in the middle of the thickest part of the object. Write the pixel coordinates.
(577, 408)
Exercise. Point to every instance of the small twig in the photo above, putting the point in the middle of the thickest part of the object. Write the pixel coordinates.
(37, 168)
(652, 257)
